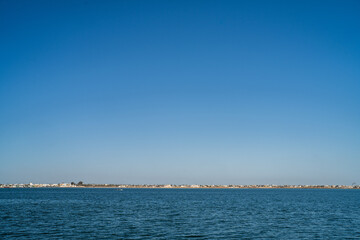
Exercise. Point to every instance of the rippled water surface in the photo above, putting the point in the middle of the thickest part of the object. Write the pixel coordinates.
(179, 214)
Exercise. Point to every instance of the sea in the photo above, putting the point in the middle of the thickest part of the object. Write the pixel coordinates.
(109, 213)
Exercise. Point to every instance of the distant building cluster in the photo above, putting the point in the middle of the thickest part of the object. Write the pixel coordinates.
(82, 185)
(37, 185)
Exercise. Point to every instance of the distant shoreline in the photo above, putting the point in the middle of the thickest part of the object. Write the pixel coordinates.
(168, 186)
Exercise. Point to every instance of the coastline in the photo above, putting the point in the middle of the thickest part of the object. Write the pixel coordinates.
(167, 186)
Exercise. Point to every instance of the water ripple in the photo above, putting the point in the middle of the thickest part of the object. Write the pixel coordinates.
(179, 214)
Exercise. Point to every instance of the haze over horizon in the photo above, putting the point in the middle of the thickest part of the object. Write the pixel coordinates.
(180, 92)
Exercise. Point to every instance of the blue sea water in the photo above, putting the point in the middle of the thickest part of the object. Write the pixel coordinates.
(57, 213)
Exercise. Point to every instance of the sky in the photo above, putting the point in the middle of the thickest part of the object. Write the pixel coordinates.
(180, 92)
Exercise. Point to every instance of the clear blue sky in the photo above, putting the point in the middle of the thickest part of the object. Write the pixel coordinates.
(203, 92)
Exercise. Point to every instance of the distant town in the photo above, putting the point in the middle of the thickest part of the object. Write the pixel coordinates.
(84, 185)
